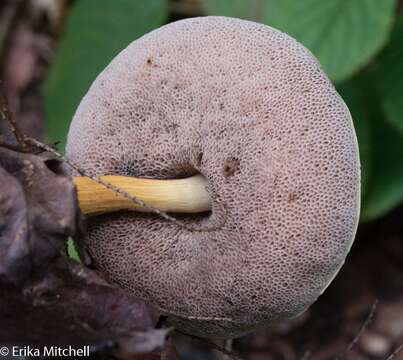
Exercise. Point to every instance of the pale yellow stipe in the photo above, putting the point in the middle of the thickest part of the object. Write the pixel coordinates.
(188, 195)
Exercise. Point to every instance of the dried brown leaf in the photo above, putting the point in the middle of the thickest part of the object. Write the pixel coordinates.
(45, 298)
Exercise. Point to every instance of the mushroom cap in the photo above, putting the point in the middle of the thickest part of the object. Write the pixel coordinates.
(249, 108)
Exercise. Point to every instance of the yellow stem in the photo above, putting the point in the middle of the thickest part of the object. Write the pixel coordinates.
(187, 195)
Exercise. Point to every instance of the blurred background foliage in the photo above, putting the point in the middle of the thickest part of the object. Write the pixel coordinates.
(359, 44)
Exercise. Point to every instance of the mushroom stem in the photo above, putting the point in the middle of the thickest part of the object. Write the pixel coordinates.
(187, 195)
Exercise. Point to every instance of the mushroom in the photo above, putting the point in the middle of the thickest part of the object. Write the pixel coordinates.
(249, 112)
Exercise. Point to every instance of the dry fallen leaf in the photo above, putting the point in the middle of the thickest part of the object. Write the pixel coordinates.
(47, 298)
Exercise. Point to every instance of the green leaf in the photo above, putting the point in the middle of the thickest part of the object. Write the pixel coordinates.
(381, 147)
(343, 34)
(386, 186)
(95, 33)
(71, 250)
(390, 77)
(357, 101)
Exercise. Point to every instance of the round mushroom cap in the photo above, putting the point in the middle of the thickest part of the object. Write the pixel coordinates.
(249, 108)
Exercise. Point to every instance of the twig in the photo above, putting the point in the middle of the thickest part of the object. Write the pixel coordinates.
(10, 146)
(395, 352)
(6, 116)
(122, 192)
(363, 327)
(23, 140)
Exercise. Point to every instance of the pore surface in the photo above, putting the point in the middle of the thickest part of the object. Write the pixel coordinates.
(250, 109)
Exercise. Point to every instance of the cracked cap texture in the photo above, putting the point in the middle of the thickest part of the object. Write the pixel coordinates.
(250, 109)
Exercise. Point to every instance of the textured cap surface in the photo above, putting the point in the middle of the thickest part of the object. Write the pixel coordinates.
(249, 108)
